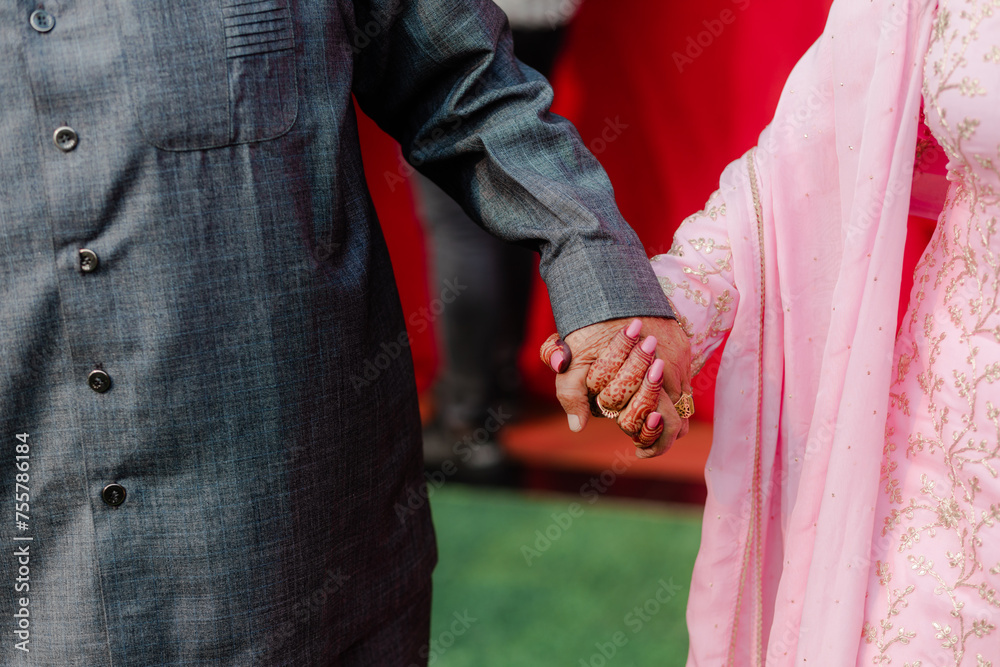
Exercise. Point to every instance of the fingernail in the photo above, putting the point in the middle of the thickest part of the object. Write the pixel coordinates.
(574, 423)
(558, 361)
(653, 421)
(633, 329)
(656, 371)
(649, 345)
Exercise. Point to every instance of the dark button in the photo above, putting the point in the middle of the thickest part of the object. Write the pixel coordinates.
(88, 260)
(41, 20)
(66, 138)
(113, 494)
(99, 381)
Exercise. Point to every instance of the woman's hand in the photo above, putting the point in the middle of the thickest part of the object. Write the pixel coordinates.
(604, 370)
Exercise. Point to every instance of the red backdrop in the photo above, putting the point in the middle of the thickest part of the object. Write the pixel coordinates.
(666, 94)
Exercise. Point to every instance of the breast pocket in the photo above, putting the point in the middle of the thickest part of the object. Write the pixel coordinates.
(212, 73)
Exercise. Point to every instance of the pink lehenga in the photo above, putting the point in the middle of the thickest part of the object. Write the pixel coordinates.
(853, 482)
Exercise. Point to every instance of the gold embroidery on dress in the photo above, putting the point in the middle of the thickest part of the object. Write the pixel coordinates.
(961, 272)
(719, 258)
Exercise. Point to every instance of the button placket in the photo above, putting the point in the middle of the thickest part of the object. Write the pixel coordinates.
(63, 84)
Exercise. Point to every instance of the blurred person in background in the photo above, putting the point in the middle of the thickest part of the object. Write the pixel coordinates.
(480, 334)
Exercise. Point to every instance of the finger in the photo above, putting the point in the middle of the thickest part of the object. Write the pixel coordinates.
(673, 428)
(675, 375)
(611, 359)
(674, 347)
(645, 401)
(555, 353)
(652, 429)
(571, 390)
(616, 395)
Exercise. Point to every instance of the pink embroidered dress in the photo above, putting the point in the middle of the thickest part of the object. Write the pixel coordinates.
(854, 498)
(932, 594)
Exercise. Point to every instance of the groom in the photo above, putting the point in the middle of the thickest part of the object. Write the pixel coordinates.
(193, 271)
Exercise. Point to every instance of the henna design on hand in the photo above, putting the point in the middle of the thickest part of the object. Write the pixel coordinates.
(617, 393)
(646, 400)
(603, 371)
(651, 431)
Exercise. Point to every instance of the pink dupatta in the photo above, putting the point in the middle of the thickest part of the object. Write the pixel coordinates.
(816, 219)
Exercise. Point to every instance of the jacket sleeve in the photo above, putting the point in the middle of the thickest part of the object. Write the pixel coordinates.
(440, 77)
(697, 276)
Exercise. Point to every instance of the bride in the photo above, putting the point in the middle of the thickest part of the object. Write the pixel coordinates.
(853, 511)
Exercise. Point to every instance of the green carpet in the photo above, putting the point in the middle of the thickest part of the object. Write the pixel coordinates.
(606, 587)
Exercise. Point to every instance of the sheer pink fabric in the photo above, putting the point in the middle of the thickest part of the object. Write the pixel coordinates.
(798, 256)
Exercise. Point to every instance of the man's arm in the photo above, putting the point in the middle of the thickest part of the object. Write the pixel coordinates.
(440, 76)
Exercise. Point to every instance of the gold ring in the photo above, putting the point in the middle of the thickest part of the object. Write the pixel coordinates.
(685, 406)
(610, 414)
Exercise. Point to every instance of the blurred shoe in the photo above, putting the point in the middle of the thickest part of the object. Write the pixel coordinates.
(464, 458)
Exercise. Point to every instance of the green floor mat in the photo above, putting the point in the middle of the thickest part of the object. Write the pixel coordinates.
(554, 580)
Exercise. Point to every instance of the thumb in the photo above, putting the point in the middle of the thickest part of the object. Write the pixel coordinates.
(571, 390)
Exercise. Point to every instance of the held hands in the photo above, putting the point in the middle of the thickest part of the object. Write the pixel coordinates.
(608, 369)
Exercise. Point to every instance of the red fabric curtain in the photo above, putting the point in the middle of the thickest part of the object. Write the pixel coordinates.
(666, 94)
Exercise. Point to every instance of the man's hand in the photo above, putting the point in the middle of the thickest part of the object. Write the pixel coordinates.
(609, 367)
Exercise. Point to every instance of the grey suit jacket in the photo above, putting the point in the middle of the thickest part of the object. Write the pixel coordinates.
(194, 290)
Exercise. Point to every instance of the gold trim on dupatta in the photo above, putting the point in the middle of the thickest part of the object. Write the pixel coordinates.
(755, 529)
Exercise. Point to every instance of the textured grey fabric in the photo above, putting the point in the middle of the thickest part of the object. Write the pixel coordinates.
(262, 412)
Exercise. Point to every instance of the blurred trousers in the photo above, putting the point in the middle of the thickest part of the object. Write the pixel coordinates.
(481, 331)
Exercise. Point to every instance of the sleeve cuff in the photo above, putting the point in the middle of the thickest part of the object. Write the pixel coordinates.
(602, 283)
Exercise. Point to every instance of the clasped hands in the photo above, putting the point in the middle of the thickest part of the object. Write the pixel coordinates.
(632, 370)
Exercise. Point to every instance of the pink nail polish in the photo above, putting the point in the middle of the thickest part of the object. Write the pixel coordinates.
(649, 345)
(656, 371)
(653, 421)
(633, 329)
(558, 360)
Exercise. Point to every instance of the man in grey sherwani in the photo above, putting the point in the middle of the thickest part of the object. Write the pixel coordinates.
(193, 272)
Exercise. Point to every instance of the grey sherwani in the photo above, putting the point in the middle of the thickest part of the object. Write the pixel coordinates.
(194, 284)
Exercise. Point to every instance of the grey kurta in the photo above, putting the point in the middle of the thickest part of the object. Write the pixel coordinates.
(242, 291)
